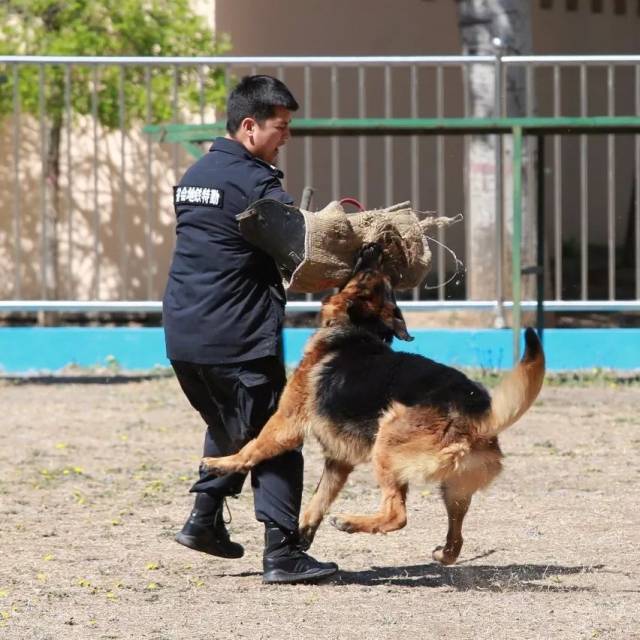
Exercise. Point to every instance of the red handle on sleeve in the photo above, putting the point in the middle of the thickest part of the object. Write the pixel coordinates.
(353, 201)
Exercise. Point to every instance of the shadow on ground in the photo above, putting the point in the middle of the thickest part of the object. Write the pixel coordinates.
(96, 379)
(512, 577)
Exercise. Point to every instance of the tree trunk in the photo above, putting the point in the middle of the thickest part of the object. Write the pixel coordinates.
(480, 21)
(51, 181)
(50, 290)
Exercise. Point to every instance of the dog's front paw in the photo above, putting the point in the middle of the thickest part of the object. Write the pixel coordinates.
(340, 523)
(307, 534)
(211, 466)
(441, 555)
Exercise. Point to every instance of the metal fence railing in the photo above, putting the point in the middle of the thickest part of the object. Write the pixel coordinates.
(590, 86)
(113, 226)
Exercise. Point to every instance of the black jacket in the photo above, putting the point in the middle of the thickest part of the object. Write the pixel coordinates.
(224, 300)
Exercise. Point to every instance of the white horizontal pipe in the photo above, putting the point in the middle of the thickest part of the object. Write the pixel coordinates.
(154, 306)
(320, 60)
(250, 61)
(76, 306)
(542, 60)
(491, 305)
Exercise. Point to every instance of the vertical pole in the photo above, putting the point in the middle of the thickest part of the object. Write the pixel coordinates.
(499, 319)
(122, 232)
(388, 143)
(308, 156)
(584, 194)
(175, 118)
(517, 233)
(335, 158)
(415, 151)
(71, 288)
(96, 167)
(362, 141)
(201, 93)
(541, 239)
(282, 154)
(149, 171)
(531, 240)
(17, 203)
(465, 171)
(44, 150)
(227, 83)
(440, 180)
(557, 187)
(611, 186)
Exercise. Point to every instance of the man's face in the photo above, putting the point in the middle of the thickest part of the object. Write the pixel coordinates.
(267, 137)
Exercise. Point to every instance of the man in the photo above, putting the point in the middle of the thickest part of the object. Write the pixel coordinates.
(223, 311)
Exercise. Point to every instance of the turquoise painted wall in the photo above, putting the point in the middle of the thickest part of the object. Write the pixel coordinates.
(34, 349)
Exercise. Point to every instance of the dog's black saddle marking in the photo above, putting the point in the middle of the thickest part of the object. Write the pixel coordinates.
(364, 376)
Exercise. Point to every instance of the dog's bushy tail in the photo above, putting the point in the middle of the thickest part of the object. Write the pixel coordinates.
(516, 392)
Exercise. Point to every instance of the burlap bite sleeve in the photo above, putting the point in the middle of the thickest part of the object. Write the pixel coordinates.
(333, 238)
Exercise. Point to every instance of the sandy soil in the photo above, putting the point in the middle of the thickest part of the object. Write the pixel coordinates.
(93, 487)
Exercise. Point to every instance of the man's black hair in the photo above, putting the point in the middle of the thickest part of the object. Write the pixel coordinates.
(257, 97)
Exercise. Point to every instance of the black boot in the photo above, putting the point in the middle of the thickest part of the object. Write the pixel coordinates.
(205, 529)
(285, 562)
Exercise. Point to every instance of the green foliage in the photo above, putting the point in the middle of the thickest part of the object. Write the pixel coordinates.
(108, 28)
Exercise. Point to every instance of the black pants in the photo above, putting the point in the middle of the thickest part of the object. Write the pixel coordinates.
(235, 401)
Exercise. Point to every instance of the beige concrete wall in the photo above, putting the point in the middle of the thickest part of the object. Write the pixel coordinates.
(557, 30)
(339, 27)
(410, 27)
(134, 229)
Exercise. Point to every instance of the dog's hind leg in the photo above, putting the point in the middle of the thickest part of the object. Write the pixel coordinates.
(279, 435)
(393, 510)
(457, 502)
(457, 492)
(334, 476)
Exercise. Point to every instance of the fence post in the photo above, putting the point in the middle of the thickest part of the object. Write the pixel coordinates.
(499, 321)
(517, 234)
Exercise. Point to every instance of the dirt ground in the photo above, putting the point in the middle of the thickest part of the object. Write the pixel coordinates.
(93, 487)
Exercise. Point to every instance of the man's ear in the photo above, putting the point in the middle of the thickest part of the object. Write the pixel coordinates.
(248, 125)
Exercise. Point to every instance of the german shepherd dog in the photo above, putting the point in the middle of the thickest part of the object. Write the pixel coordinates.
(412, 417)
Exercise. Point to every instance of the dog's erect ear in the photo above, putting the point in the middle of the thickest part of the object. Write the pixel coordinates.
(330, 312)
(383, 318)
(399, 325)
(356, 310)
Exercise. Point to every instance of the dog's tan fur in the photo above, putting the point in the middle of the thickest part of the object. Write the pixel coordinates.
(412, 442)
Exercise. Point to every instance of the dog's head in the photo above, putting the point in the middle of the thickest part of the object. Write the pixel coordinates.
(367, 300)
